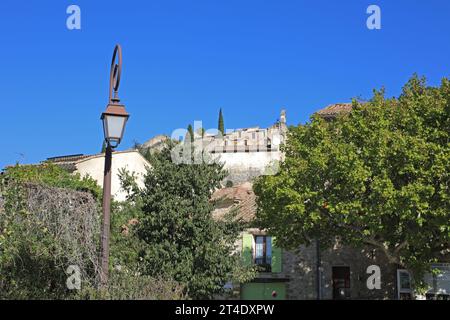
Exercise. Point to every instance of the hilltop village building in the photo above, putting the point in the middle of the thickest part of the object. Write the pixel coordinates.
(249, 152)
(305, 273)
(340, 272)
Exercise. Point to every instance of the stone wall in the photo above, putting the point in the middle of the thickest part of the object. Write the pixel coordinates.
(245, 166)
(253, 137)
(299, 272)
(300, 268)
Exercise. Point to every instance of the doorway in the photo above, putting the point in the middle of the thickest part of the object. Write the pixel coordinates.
(341, 283)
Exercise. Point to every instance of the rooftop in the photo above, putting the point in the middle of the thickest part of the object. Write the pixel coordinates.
(333, 110)
(241, 197)
(68, 158)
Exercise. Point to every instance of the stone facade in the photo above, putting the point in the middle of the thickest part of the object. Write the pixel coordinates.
(299, 272)
(299, 268)
(245, 166)
(251, 139)
(249, 152)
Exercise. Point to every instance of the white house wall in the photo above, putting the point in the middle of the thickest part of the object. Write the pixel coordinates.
(244, 166)
(132, 161)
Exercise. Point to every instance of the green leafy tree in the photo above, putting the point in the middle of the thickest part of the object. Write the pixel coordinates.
(180, 239)
(190, 133)
(378, 176)
(137, 145)
(221, 126)
(45, 226)
(51, 175)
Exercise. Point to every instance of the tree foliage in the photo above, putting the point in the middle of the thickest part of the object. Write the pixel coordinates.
(51, 175)
(103, 149)
(44, 229)
(190, 133)
(49, 220)
(378, 176)
(180, 239)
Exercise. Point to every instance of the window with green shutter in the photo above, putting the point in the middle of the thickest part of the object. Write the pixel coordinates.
(247, 251)
(276, 257)
(265, 254)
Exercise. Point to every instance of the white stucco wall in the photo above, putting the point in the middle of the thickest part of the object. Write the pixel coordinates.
(243, 166)
(248, 160)
(133, 161)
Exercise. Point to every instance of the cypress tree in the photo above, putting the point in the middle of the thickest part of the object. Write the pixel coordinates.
(221, 126)
(190, 133)
(201, 132)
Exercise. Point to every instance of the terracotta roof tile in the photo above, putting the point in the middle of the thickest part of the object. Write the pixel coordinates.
(333, 110)
(241, 198)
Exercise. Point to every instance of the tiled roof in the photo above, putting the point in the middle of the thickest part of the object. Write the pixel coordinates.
(70, 162)
(72, 157)
(333, 110)
(67, 162)
(156, 143)
(240, 197)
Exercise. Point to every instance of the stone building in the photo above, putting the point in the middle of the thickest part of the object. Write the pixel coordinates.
(287, 274)
(249, 152)
(246, 153)
(252, 139)
(340, 272)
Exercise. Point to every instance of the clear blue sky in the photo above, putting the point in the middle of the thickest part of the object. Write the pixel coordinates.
(183, 60)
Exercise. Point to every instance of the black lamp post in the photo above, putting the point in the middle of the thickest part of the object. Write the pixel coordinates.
(114, 119)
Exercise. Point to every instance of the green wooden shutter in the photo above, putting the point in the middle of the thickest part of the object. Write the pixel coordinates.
(276, 257)
(247, 252)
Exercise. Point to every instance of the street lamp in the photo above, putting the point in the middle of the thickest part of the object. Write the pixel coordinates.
(114, 119)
